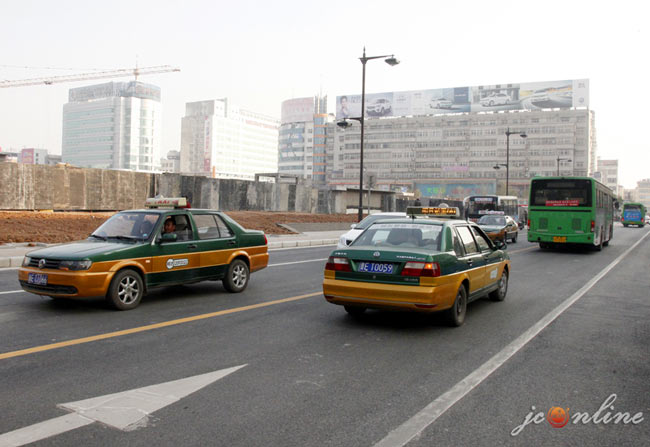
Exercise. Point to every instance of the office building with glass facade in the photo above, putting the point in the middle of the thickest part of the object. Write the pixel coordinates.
(303, 138)
(116, 125)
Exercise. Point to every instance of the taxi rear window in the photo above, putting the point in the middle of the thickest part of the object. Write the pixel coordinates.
(401, 235)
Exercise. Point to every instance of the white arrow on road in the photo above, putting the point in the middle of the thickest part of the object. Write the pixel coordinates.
(125, 411)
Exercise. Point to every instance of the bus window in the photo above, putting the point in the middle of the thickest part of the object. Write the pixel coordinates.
(561, 193)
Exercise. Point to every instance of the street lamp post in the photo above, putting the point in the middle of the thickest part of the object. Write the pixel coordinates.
(558, 163)
(507, 164)
(390, 60)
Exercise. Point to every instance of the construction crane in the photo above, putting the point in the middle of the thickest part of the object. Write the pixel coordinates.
(89, 76)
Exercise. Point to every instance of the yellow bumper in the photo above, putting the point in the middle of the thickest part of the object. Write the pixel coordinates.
(60, 283)
(438, 294)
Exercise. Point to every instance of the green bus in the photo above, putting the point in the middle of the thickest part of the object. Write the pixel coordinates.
(570, 210)
(633, 214)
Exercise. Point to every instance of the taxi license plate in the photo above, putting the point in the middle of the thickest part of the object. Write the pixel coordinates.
(559, 238)
(376, 267)
(37, 278)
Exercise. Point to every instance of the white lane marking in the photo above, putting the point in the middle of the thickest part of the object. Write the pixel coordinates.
(297, 262)
(9, 268)
(11, 291)
(425, 417)
(125, 411)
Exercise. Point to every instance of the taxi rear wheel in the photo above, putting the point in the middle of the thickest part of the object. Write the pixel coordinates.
(500, 293)
(456, 313)
(236, 278)
(126, 290)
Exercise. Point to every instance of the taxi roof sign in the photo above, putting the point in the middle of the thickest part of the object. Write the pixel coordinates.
(434, 211)
(161, 202)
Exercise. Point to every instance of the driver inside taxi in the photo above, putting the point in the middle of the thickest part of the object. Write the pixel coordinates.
(169, 226)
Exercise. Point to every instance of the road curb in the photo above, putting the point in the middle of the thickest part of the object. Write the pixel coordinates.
(13, 261)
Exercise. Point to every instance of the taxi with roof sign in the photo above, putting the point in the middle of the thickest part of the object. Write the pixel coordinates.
(134, 251)
(432, 264)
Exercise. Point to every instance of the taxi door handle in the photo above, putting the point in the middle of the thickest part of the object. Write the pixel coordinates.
(192, 246)
(232, 243)
(470, 262)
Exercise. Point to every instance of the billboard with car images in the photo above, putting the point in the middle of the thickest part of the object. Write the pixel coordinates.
(483, 98)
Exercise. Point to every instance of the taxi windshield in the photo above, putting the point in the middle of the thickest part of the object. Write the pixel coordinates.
(401, 235)
(492, 220)
(132, 226)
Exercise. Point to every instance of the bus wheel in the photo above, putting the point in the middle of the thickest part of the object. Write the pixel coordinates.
(599, 247)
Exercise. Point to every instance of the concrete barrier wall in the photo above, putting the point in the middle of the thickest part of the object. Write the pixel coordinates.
(30, 187)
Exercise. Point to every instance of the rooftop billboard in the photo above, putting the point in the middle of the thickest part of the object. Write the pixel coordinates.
(483, 98)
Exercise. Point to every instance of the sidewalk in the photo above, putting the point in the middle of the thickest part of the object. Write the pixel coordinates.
(12, 254)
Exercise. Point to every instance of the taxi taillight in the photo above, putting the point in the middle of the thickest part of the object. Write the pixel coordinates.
(338, 264)
(266, 241)
(431, 269)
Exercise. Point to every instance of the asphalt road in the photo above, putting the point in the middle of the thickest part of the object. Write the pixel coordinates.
(316, 376)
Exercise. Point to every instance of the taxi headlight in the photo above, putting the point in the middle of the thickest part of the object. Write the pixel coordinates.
(75, 265)
(26, 261)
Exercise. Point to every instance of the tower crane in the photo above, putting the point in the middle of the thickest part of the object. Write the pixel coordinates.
(89, 76)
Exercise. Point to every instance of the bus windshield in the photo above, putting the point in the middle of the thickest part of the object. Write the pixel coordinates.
(628, 207)
(479, 206)
(560, 192)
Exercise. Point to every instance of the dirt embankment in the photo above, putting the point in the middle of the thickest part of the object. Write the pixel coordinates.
(49, 227)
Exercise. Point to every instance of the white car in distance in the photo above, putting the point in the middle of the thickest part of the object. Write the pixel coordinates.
(441, 103)
(496, 99)
(358, 228)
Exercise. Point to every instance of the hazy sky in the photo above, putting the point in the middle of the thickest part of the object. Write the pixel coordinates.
(260, 53)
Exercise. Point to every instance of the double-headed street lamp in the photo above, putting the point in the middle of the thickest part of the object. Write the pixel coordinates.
(558, 163)
(390, 60)
(507, 164)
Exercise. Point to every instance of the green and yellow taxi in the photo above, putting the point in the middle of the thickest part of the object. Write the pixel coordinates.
(498, 226)
(420, 264)
(164, 244)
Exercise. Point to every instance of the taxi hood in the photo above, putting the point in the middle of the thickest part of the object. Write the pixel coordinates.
(489, 228)
(81, 250)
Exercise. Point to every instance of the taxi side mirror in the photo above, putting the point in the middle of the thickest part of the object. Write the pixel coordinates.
(168, 237)
(353, 225)
(500, 245)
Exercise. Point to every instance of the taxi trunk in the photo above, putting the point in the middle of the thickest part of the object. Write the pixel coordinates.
(387, 278)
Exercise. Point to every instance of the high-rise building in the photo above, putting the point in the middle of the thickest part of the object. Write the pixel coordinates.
(172, 163)
(303, 134)
(221, 141)
(117, 125)
(609, 175)
(643, 192)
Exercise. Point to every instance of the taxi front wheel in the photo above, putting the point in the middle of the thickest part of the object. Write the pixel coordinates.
(126, 290)
(236, 278)
(456, 313)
